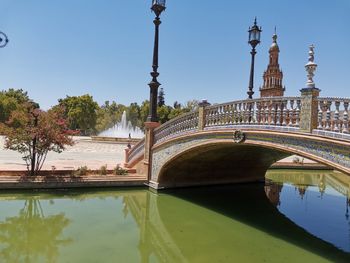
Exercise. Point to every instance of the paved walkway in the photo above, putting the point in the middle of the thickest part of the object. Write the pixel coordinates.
(85, 152)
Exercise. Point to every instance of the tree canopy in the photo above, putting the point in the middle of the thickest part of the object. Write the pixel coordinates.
(11, 100)
(81, 112)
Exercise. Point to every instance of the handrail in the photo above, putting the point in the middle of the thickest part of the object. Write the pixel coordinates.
(333, 114)
(187, 122)
(136, 149)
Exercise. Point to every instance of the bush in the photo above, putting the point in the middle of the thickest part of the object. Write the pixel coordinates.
(83, 170)
(103, 170)
(120, 171)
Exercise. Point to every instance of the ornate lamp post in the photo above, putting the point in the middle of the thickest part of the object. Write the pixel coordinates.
(158, 6)
(3, 39)
(254, 40)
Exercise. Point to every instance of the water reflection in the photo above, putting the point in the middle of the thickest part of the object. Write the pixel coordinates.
(19, 238)
(214, 224)
(308, 198)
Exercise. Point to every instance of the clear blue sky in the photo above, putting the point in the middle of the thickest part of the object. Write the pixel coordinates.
(104, 47)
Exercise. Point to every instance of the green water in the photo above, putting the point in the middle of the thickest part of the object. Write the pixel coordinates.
(215, 224)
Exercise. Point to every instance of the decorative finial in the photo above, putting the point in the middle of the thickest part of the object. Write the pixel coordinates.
(311, 53)
(311, 68)
(274, 37)
(255, 23)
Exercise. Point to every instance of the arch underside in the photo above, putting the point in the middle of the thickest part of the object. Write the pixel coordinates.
(219, 164)
(213, 158)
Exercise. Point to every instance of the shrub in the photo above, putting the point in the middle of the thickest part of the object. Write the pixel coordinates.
(83, 170)
(119, 171)
(103, 170)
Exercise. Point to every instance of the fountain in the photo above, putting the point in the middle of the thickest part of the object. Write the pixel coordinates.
(123, 129)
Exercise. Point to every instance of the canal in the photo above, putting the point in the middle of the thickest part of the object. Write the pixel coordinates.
(295, 216)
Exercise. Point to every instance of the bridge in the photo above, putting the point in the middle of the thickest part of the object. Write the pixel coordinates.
(238, 141)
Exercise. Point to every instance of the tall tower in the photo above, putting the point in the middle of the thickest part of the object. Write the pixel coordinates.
(273, 76)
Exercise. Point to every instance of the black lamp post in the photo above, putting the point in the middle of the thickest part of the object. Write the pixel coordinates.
(158, 6)
(254, 40)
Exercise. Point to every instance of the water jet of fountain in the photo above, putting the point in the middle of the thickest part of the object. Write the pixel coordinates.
(123, 129)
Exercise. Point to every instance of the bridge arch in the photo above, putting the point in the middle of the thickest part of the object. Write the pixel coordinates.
(217, 163)
(212, 157)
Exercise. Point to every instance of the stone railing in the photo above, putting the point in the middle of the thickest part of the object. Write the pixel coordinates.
(274, 111)
(183, 124)
(136, 151)
(333, 114)
(271, 113)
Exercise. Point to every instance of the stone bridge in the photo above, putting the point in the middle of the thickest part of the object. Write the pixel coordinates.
(238, 141)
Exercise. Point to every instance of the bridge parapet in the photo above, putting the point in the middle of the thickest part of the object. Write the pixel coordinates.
(263, 113)
(135, 152)
(283, 115)
(185, 123)
(333, 117)
(275, 111)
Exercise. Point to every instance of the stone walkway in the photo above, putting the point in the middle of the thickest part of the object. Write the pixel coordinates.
(85, 152)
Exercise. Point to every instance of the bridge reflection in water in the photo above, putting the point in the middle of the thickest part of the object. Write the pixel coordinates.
(168, 232)
(234, 223)
(316, 201)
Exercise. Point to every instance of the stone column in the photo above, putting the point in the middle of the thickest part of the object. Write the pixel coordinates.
(309, 95)
(149, 141)
(126, 161)
(201, 114)
(309, 109)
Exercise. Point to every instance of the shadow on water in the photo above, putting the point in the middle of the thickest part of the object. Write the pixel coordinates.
(248, 204)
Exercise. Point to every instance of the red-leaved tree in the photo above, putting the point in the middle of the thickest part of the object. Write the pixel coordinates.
(33, 133)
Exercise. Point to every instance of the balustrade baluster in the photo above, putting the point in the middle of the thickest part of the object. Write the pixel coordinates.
(258, 113)
(239, 113)
(266, 113)
(217, 116)
(291, 113)
(278, 117)
(297, 113)
(220, 115)
(245, 113)
(336, 117)
(346, 118)
(253, 117)
(284, 113)
(320, 116)
(328, 116)
(248, 113)
(230, 114)
(273, 114)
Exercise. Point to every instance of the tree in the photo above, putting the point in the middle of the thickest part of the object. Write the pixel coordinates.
(144, 111)
(34, 133)
(163, 113)
(108, 115)
(133, 114)
(10, 100)
(161, 100)
(191, 105)
(81, 112)
(177, 105)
